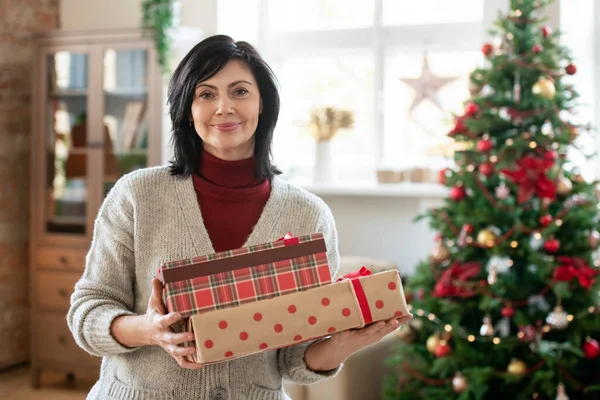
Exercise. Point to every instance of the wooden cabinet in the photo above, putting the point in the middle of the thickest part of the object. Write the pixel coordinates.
(96, 116)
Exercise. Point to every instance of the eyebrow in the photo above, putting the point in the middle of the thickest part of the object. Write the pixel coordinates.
(230, 85)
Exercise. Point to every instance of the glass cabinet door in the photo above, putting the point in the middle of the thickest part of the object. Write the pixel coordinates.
(65, 127)
(125, 120)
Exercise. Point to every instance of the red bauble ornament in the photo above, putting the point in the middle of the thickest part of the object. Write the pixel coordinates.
(546, 31)
(486, 169)
(443, 349)
(442, 176)
(591, 349)
(508, 312)
(487, 49)
(545, 220)
(537, 48)
(457, 193)
(527, 333)
(467, 228)
(471, 109)
(484, 145)
(571, 69)
(552, 245)
(550, 155)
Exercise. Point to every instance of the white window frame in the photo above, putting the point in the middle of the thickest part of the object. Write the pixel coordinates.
(464, 36)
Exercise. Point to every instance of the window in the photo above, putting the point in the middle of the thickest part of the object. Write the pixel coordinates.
(359, 56)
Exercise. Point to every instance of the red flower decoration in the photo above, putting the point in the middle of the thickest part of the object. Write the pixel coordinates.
(459, 126)
(575, 267)
(446, 287)
(531, 177)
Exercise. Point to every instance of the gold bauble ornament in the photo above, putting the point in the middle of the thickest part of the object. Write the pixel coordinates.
(517, 367)
(578, 178)
(544, 87)
(573, 132)
(440, 253)
(561, 393)
(487, 329)
(432, 343)
(459, 383)
(563, 186)
(486, 238)
(593, 239)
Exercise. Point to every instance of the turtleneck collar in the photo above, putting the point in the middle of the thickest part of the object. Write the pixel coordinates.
(237, 174)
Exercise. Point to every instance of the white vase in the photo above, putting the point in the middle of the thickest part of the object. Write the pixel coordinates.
(323, 168)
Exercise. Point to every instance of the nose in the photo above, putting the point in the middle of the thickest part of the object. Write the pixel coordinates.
(225, 106)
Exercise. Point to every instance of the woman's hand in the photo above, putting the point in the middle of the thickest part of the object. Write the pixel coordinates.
(160, 332)
(329, 354)
(154, 328)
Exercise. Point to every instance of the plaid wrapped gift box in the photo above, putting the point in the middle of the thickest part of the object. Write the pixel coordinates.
(356, 300)
(248, 274)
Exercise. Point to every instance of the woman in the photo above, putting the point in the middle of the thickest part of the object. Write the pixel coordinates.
(220, 192)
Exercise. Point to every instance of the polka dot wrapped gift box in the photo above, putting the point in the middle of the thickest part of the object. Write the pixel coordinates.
(352, 302)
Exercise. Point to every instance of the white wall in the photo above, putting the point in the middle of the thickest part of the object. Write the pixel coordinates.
(382, 228)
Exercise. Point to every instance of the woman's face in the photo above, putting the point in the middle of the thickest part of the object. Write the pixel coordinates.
(225, 111)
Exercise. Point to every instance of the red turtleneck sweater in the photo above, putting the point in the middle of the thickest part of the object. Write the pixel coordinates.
(231, 199)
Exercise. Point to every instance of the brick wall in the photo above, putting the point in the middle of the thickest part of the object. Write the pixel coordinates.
(18, 20)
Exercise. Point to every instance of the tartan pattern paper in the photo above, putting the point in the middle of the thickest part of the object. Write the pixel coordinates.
(232, 288)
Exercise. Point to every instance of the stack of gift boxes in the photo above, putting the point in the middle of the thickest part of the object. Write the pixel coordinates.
(273, 295)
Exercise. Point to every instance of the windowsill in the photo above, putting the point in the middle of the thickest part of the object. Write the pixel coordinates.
(375, 189)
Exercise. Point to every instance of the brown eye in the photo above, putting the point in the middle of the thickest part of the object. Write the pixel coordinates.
(206, 95)
(240, 92)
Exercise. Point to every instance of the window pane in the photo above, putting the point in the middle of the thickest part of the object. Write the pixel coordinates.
(239, 19)
(414, 138)
(314, 15)
(420, 12)
(343, 81)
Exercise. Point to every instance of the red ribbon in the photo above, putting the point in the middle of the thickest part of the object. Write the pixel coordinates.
(531, 178)
(361, 297)
(575, 267)
(445, 287)
(289, 239)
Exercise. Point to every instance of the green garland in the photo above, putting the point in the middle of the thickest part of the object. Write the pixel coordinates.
(158, 15)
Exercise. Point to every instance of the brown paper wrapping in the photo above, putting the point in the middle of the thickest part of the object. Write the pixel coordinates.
(294, 318)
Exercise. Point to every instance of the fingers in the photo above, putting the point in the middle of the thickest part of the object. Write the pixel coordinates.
(167, 320)
(186, 364)
(155, 302)
(180, 351)
(172, 338)
(404, 319)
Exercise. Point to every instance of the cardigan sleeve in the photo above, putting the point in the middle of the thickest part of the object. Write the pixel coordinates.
(291, 359)
(105, 291)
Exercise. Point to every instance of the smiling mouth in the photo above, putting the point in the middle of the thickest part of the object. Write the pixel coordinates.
(227, 127)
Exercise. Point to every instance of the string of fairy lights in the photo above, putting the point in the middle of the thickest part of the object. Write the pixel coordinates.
(495, 339)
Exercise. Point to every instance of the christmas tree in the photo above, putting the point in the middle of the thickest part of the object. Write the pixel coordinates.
(507, 305)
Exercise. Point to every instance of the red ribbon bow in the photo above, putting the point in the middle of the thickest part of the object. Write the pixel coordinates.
(355, 274)
(289, 239)
(445, 287)
(531, 178)
(359, 291)
(575, 267)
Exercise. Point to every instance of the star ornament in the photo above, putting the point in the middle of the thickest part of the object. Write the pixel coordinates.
(427, 86)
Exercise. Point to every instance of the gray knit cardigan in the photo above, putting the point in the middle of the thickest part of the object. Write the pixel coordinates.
(150, 217)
